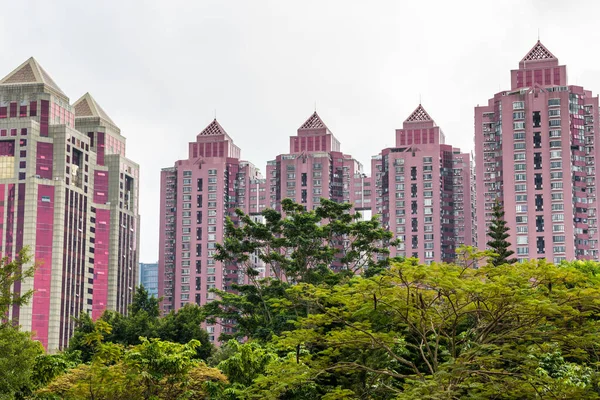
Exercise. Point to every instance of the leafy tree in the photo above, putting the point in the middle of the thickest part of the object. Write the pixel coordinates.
(185, 325)
(11, 272)
(143, 320)
(154, 369)
(302, 246)
(498, 234)
(442, 331)
(325, 245)
(142, 301)
(17, 358)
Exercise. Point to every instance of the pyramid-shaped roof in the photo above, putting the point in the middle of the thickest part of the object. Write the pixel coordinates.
(214, 128)
(313, 122)
(86, 106)
(538, 52)
(419, 115)
(30, 72)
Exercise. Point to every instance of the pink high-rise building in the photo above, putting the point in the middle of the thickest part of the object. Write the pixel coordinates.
(197, 194)
(423, 190)
(69, 194)
(536, 153)
(314, 168)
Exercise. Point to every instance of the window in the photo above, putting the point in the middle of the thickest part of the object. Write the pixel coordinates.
(519, 146)
(519, 136)
(520, 197)
(554, 113)
(518, 125)
(553, 102)
(212, 172)
(522, 239)
(556, 154)
(521, 208)
(554, 122)
(520, 177)
(518, 105)
(522, 229)
(521, 219)
(521, 188)
(558, 217)
(519, 156)
(558, 228)
(187, 173)
(520, 167)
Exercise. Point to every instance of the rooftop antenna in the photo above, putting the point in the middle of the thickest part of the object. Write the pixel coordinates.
(315, 106)
(538, 34)
(215, 114)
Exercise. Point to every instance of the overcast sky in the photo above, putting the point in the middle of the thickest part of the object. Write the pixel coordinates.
(161, 68)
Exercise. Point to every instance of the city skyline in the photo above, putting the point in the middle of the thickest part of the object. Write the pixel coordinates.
(262, 68)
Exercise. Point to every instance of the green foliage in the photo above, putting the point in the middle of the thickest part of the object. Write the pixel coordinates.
(17, 357)
(442, 331)
(12, 271)
(302, 246)
(297, 246)
(143, 320)
(154, 369)
(498, 233)
(142, 301)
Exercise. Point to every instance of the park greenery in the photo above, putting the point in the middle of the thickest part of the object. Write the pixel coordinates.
(371, 327)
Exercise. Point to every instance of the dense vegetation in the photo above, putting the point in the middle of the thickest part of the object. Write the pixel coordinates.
(398, 330)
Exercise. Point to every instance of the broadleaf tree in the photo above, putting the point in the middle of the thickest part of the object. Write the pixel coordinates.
(326, 245)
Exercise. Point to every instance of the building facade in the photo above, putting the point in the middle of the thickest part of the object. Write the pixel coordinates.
(197, 195)
(535, 152)
(149, 278)
(52, 202)
(423, 191)
(315, 168)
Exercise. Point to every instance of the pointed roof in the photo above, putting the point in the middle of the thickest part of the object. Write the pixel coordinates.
(538, 52)
(214, 128)
(419, 115)
(30, 72)
(313, 122)
(86, 106)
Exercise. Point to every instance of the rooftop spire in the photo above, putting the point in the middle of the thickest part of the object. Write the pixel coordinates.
(313, 122)
(419, 115)
(538, 52)
(214, 128)
(30, 72)
(86, 106)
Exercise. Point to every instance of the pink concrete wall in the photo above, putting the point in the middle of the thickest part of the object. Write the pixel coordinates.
(101, 255)
(43, 256)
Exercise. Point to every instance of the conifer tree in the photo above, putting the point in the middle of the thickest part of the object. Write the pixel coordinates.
(498, 233)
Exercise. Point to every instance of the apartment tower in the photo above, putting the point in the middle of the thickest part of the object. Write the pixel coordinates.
(197, 195)
(535, 153)
(423, 191)
(80, 224)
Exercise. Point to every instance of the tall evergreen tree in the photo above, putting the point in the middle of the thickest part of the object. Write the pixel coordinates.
(498, 232)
